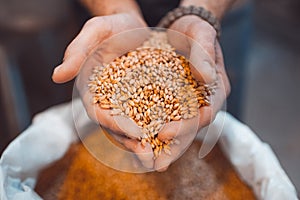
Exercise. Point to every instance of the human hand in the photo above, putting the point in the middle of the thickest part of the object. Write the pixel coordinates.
(88, 50)
(90, 44)
(97, 43)
(195, 39)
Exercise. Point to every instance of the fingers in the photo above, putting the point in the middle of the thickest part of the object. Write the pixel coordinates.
(127, 126)
(184, 131)
(202, 55)
(164, 160)
(144, 153)
(123, 130)
(202, 65)
(197, 42)
(179, 128)
(91, 38)
(170, 130)
(117, 124)
(208, 113)
(221, 92)
(220, 68)
(81, 47)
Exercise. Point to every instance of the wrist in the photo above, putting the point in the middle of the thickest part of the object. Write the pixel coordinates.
(189, 22)
(110, 7)
(193, 14)
(218, 7)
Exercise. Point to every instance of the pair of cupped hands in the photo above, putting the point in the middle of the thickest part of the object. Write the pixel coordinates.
(100, 41)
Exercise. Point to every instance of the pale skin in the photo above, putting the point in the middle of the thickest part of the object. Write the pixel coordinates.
(113, 17)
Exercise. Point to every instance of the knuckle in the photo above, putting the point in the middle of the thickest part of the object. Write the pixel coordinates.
(99, 25)
(93, 21)
(199, 25)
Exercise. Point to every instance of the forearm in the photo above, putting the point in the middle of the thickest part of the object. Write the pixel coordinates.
(217, 7)
(109, 7)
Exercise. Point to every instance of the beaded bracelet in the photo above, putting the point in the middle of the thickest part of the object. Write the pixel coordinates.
(201, 12)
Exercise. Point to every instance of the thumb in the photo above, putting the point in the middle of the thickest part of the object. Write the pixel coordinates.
(195, 38)
(202, 63)
(80, 48)
(92, 36)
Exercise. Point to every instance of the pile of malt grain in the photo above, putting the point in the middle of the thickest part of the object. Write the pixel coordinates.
(152, 85)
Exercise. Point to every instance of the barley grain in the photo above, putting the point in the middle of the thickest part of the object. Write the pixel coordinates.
(153, 85)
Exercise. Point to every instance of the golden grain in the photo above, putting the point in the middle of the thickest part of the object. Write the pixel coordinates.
(152, 85)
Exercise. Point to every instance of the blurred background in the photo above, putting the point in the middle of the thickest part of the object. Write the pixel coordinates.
(33, 37)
